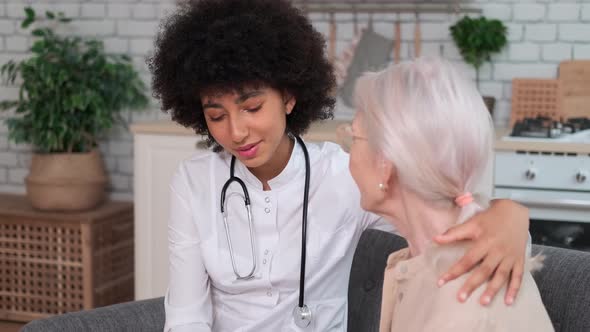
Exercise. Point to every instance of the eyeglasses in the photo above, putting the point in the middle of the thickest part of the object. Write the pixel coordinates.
(346, 136)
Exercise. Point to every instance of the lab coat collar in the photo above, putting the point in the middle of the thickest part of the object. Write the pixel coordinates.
(295, 166)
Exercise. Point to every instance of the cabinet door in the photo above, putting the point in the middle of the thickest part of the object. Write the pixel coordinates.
(156, 159)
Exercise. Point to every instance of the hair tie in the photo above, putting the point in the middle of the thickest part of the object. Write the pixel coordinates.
(464, 199)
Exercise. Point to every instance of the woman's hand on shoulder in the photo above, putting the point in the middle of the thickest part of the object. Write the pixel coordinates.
(499, 235)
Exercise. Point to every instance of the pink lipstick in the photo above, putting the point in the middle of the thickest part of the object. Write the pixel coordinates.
(248, 151)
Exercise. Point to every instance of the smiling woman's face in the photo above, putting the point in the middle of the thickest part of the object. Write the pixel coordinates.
(249, 124)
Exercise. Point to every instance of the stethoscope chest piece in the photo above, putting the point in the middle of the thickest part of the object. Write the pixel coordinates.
(302, 316)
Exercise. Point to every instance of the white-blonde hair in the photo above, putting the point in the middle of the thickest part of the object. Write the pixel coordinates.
(427, 117)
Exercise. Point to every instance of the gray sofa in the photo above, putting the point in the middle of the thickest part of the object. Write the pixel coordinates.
(564, 283)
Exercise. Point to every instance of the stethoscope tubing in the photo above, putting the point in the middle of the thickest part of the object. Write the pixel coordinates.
(233, 178)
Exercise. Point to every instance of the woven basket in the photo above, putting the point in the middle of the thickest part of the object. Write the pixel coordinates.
(66, 181)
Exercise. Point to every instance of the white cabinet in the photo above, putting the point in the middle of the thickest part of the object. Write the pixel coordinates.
(156, 159)
(158, 149)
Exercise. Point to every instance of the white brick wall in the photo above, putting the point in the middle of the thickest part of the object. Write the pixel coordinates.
(541, 34)
(581, 52)
(498, 11)
(529, 12)
(574, 32)
(92, 10)
(563, 12)
(524, 52)
(17, 175)
(556, 52)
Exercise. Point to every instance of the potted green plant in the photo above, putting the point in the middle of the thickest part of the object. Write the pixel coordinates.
(477, 39)
(71, 93)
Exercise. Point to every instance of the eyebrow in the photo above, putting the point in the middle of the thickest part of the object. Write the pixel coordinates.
(242, 98)
(205, 106)
(245, 96)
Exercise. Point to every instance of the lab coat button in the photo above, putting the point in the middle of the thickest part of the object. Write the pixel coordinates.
(267, 199)
(267, 210)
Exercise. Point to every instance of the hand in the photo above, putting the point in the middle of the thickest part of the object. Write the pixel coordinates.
(499, 236)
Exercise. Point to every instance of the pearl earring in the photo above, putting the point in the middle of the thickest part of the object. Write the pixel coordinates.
(382, 187)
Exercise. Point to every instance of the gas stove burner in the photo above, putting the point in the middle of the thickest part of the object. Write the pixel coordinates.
(539, 127)
(578, 124)
(543, 127)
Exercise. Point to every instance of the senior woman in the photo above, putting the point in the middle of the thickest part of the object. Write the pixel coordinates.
(422, 138)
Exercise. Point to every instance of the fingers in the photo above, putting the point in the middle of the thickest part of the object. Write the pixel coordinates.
(465, 264)
(498, 281)
(465, 231)
(480, 275)
(515, 282)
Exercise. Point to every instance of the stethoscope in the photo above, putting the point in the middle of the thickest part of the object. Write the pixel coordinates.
(301, 313)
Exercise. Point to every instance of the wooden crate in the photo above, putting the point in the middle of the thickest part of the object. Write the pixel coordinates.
(536, 97)
(53, 263)
(575, 85)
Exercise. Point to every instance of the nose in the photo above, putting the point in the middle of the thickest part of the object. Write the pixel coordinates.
(238, 129)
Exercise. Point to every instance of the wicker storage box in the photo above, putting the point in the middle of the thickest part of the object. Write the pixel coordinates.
(53, 263)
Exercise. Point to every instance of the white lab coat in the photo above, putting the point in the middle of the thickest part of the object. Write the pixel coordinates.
(203, 293)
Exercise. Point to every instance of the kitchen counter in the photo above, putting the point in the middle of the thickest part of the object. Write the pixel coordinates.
(321, 131)
(541, 146)
(327, 131)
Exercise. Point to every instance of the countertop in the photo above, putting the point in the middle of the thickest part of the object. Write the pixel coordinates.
(321, 131)
(505, 145)
(327, 131)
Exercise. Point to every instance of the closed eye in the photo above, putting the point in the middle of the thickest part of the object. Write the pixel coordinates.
(217, 118)
(253, 110)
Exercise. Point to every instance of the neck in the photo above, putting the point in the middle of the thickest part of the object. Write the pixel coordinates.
(419, 221)
(276, 164)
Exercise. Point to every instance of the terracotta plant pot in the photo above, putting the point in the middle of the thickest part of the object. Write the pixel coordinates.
(490, 103)
(66, 181)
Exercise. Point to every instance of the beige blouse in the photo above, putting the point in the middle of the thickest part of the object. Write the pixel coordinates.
(412, 301)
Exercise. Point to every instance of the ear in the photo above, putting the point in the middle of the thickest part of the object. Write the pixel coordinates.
(387, 172)
(289, 101)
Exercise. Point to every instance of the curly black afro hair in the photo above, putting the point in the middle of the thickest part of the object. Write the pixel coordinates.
(228, 45)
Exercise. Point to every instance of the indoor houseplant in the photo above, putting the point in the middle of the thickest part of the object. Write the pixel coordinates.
(477, 39)
(71, 93)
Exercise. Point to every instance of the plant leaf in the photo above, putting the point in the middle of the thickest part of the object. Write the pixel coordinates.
(29, 17)
(30, 12)
(38, 32)
(7, 104)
